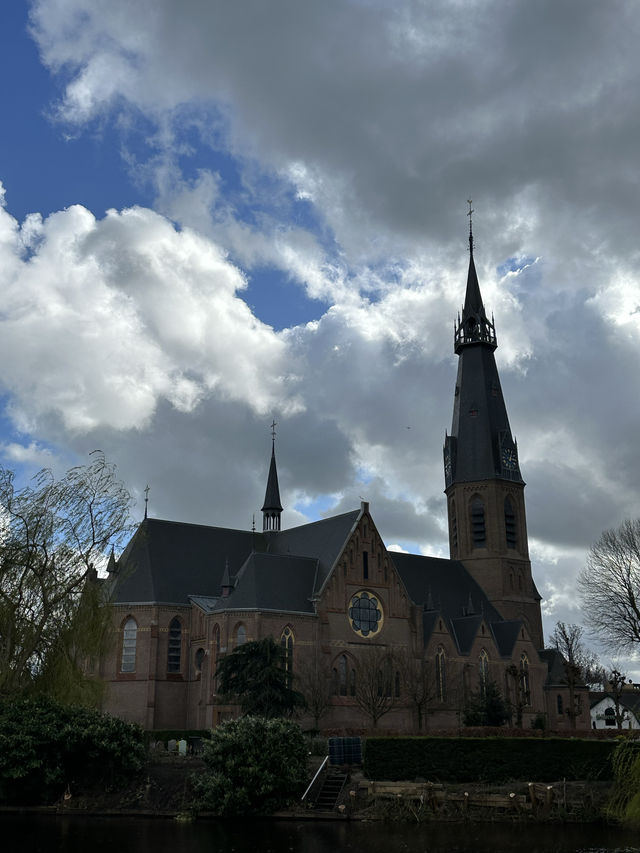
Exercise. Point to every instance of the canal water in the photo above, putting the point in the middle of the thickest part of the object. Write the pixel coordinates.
(43, 834)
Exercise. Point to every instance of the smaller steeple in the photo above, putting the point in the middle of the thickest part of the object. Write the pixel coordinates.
(226, 586)
(272, 508)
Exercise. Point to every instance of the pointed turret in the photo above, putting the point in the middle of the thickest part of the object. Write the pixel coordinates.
(272, 508)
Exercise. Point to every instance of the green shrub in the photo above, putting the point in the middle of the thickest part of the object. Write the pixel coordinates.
(487, 759)
(255, 766)
(45, 747)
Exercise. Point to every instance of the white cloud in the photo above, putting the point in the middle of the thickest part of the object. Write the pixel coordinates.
(111, 315)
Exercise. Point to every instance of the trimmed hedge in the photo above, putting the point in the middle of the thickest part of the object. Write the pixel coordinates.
(491, 759)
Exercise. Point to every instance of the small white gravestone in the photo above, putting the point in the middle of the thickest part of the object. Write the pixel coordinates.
(171, 746)
(182, 747)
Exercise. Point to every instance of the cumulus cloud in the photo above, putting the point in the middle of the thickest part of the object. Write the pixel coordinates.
(103, 318)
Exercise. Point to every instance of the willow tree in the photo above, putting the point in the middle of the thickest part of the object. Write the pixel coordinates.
(54, 535)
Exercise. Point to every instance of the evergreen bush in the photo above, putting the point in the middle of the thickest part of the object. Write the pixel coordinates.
(255, 766)
(46, 747)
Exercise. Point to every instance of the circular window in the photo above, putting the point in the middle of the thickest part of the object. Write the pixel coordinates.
(365, 613)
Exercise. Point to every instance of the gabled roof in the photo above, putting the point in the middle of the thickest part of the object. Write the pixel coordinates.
(269, 582)
(170, 562)
(323, 540)
(447, 591)
(167, 561)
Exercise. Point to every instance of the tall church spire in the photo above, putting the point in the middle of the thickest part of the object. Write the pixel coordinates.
(272, 508)
(480, 446)
(483, 484)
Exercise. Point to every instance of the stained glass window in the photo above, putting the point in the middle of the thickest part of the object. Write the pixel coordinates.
(365, 614)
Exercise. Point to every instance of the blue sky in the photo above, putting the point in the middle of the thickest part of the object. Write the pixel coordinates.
(216, 214)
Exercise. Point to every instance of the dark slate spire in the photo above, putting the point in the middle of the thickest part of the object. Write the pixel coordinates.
(480, 446)
(272, 508)
(474, 324)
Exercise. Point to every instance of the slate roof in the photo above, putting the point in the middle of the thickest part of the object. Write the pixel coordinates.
(269, 582)
(272, 493)
(446, 590)
(480, 424)
(168, 562)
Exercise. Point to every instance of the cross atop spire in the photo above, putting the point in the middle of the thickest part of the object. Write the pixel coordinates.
(469, 214)
(273, 431)
(146, 499)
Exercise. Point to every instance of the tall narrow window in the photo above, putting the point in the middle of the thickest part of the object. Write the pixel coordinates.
(510, 524)
(483, 672)
(286, 641)
(216, 640)
(352, 683)
(342, 675)
(129, 637)
(175, 646)
(365, 564)
(478, 530)
(241, 635)
(559, 705)
(441, 675)
(525, 691)
(454, 527)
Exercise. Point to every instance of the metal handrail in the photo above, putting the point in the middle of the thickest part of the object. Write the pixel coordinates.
(318, 772)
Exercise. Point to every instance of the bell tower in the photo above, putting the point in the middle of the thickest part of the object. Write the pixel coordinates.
(483, 483)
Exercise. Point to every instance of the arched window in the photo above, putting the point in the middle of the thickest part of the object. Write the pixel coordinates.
(286, 641)
(441, 675)
(216, 640)
(483, 670)
(525, 689)
(397, 685)
(174, 652)
(241, 635)
(511, 532)
(478, 529)
(609, 717)
(352, 682)
(129, 638)
(559, 705)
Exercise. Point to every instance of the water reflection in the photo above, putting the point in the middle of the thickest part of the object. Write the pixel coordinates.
(103, 835)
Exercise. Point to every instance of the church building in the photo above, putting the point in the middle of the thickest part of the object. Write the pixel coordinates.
(425, 635)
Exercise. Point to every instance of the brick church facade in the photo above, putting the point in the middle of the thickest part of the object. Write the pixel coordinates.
(433, 632)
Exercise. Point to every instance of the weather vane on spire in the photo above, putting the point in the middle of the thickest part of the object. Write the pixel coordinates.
(273, 430)
(469, 202)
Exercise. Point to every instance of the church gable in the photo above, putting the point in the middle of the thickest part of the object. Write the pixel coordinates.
(364, 584)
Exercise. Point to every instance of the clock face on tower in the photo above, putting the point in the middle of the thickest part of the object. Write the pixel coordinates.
(509, 459)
